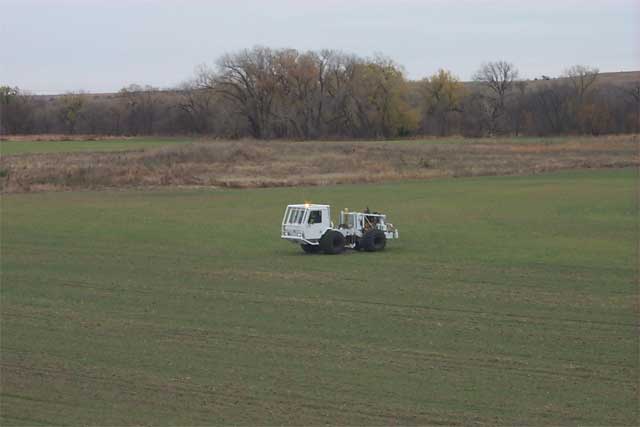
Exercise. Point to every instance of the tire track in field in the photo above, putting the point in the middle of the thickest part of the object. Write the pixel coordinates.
(360, 408)
(483, 313)
(273, 299)
(203, 339)
(265, 298)
(442, 361)
(228, 398)
(394, 356)
(21, 315)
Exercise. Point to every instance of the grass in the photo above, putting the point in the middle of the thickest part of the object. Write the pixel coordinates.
(508, 300)
(8, 148)
(41, 144)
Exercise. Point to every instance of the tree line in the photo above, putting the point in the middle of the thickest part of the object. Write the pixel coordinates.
(285, 93)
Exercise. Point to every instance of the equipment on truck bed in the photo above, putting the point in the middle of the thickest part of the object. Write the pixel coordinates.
(310, 226)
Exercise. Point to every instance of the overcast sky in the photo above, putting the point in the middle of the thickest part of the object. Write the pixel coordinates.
(53, 46)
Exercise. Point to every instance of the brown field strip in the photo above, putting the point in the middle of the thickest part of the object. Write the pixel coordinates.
(246, 164)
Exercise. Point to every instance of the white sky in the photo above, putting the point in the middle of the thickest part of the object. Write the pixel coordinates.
(100, 46)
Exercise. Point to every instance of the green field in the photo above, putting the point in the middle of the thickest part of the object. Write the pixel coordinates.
(32, 147)
(508, 300)
(141, 143)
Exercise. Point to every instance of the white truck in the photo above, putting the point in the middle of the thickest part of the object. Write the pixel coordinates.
(310, 226)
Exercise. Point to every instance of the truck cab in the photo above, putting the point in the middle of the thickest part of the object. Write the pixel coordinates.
(306, 223)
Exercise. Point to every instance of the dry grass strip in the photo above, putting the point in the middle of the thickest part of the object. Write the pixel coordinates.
(278, 163)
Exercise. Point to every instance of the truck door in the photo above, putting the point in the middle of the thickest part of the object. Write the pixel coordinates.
(317, 223)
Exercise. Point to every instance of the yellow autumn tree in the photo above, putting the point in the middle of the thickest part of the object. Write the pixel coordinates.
(442, 96)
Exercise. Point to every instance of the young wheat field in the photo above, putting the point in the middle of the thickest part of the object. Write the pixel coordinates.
(507, 300)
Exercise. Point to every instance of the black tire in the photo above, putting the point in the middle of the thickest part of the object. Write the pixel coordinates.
(373, 241)
(310, 249)
(332, 242)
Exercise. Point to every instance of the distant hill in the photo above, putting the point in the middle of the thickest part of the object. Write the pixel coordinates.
(621, 78)
(617, 78)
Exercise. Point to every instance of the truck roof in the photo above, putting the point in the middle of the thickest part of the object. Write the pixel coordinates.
(308, 206)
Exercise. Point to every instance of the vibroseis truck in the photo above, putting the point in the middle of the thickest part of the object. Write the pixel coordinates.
(310, 226)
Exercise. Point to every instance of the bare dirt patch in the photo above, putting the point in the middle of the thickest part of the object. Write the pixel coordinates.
(244, 164)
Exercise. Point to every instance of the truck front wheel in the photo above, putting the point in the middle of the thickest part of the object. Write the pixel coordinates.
(332, 242)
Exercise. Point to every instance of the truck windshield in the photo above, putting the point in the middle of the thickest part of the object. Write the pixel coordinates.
(295, 216)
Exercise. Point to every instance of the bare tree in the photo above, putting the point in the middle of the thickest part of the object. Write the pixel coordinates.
(581, 78)
(517, 108)
(632, 93)
(299, 92)
(499, 78)
(16, 111)
(340, 80)
(141, 107)
(94, 116)
(552, 102)
(196, 101)
(247, 79)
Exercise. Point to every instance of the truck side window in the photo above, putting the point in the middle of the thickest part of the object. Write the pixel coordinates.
(315, 217)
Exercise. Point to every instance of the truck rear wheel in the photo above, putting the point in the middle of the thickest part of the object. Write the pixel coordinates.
(310, 249)
(373, 241)
(332, 242)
